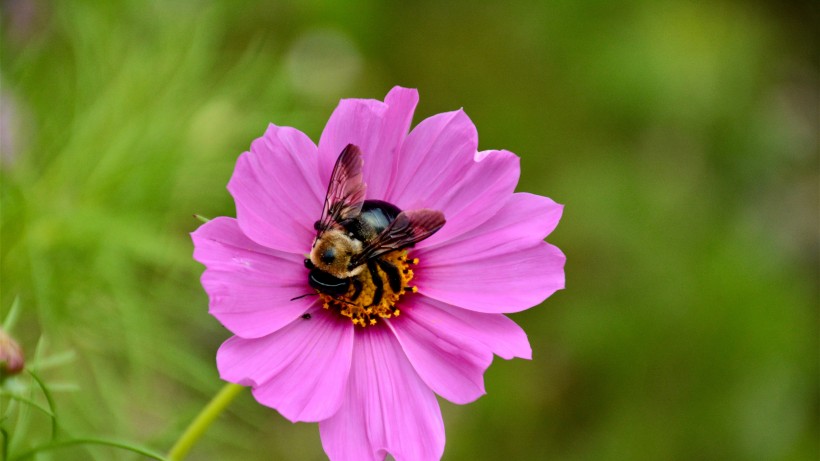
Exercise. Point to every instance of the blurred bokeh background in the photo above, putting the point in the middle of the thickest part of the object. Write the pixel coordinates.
(682, 137)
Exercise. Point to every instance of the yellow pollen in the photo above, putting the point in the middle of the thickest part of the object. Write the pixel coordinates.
(360, 308)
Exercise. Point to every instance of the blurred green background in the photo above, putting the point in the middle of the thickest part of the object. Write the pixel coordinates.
(682, 137)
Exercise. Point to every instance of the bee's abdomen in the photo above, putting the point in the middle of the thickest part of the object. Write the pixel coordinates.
(376, 215)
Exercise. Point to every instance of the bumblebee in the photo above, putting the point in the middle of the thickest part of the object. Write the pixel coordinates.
(359, 243)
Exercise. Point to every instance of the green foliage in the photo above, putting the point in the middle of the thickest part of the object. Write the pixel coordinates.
(681, 136)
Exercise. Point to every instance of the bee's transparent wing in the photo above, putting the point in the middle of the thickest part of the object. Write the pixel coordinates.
(346, 191)
(409, 228)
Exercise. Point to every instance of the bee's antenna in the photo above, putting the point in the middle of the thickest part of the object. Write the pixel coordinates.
(302, 296)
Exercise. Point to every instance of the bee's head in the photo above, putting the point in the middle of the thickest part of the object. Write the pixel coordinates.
(332, 252)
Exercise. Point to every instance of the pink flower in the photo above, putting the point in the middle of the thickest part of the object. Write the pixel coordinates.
(370, 379)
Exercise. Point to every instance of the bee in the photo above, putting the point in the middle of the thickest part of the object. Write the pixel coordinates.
(354, 234)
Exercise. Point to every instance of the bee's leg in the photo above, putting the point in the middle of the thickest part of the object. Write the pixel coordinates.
(357, 289)
(377, 282)
(393, 275)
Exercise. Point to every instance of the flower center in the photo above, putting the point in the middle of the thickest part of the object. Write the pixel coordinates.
(376, 291)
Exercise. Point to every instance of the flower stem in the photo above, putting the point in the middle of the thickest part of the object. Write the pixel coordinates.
(201, 423)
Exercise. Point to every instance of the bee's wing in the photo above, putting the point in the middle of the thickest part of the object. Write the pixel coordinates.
(345, 193)
(408, 228)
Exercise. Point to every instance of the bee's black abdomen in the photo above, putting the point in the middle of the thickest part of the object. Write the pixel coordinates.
(327, 283)
(376, 215)
(379, 214)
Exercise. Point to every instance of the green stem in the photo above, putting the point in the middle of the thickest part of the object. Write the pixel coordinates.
(199, 425)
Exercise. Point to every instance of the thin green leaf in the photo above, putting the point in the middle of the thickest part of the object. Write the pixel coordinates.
(11, 317)
(4, 449)
(30, 402)
(55, 360)
(63, 387)
(50, 401)
(90, 441)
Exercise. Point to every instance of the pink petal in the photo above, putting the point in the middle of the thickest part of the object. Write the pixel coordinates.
(387, 409)
(300, 370)
(451, 347)
(492, 281)
(477, 194)
(522, 220)
(378, 128)
(277, 190)
(496, 332)
(440, 147)
(249, 286)
(439, 168)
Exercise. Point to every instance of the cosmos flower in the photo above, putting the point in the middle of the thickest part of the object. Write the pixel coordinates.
(367, 366)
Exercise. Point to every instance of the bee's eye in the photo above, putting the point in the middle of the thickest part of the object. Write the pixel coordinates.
(328, 256)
